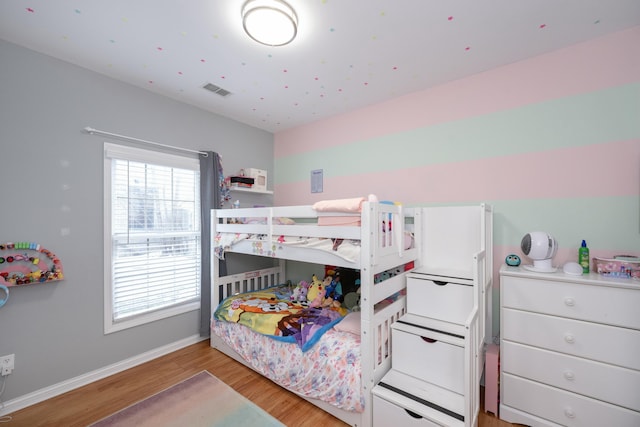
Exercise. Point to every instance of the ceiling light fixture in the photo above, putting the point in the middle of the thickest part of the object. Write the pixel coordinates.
(270, 22)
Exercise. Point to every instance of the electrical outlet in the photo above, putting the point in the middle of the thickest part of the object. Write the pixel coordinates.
(7, 364)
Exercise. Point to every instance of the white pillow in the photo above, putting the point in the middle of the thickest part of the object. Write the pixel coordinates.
(350, 323)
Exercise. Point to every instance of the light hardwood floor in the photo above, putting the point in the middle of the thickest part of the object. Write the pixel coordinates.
(94, 401)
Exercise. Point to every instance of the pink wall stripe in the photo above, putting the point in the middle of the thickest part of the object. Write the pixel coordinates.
(567, 172)
(581, 68)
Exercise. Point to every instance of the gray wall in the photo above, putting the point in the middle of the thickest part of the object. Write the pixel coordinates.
(51, 192)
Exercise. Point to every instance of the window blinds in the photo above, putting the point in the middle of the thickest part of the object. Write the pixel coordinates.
(155, 231)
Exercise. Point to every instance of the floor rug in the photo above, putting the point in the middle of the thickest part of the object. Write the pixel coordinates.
(202, 400)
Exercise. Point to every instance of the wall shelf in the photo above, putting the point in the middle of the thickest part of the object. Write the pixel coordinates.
(249, 190)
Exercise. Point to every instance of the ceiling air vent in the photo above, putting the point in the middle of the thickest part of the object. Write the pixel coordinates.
(216, 89)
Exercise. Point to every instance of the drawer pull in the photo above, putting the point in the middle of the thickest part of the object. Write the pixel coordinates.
(440, 283)
(569, 375)
(569, 338)
(568, 412)
(429, 340)
(569, 302)
(413, 414)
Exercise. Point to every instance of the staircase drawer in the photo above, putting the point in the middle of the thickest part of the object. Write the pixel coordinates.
(428, 359)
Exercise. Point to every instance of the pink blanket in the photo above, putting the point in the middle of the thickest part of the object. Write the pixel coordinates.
(339, 220)
(340, 205)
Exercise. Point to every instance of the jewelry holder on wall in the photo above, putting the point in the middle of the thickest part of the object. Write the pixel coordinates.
(25, 263)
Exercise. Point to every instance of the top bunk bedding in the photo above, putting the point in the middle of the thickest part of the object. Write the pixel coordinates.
(329, 232)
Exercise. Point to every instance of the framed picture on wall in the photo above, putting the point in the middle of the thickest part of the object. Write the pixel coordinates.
(316, 181)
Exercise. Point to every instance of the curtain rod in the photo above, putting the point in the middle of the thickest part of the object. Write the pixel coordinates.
(93, 131)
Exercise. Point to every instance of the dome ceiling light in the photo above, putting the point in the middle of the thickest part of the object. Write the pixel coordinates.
(270, 22)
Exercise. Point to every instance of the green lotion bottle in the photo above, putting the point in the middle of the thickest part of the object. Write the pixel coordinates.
(583, 257)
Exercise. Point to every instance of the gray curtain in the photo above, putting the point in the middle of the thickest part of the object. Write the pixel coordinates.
(211, 197)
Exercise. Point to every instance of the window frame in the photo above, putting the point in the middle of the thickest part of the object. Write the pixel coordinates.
(122, 152)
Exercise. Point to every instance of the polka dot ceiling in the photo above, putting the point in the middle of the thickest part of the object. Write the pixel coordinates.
(348, 53)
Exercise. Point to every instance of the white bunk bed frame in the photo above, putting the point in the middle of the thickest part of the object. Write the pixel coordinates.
(380, 251)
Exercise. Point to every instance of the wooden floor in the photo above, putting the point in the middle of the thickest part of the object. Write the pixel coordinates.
(92, 402)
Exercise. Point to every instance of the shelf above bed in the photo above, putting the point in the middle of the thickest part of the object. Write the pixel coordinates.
(249, 190)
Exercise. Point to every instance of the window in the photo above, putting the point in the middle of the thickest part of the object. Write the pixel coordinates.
(152, 236)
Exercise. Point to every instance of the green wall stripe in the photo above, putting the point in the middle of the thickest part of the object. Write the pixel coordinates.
(591, 118)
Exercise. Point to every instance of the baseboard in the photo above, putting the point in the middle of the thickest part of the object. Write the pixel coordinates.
(43, 394)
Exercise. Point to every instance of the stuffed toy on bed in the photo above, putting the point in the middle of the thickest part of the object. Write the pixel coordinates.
(335, 305)
(352, 299)
(300, 292)
(317, 291)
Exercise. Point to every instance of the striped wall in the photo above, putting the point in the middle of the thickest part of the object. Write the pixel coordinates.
(552, 143)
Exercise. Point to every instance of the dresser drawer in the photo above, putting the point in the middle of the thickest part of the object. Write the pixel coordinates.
(445, 300)
(603, 304)
(563, 407)
(609, 344)
(416, 353)
(387, 414)
(609, 383)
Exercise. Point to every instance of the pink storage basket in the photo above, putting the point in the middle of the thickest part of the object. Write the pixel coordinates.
(619, 266)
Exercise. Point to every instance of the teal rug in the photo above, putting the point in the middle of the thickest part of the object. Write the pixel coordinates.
(200, 401)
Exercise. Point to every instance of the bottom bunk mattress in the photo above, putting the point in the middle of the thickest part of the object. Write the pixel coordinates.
(329, 371)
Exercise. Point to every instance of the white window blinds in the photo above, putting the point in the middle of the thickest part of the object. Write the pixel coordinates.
(154, 234)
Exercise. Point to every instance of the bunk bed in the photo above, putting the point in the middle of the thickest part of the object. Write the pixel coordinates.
(379, 239)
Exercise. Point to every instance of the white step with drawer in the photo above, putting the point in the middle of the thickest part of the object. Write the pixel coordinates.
(387, 414)
(439, 405)
(422, 353)
(439, 298)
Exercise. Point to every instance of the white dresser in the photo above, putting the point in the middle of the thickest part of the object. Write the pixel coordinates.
(438, 346)
(570, 349)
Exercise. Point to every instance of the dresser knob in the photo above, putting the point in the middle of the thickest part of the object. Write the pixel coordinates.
(569, 338)
(569, 375)
(568, 412)
(569, 302)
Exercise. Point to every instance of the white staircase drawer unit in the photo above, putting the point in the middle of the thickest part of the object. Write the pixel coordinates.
(444, 300)
(609, 383)
(417, 353)
(387, 414)
(609, 344)
(563, 407)
(575, 300)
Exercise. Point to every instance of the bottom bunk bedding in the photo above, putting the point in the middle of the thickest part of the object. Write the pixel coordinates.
(285, 314)
(301, 338)
(296, 340)
(329, 371)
